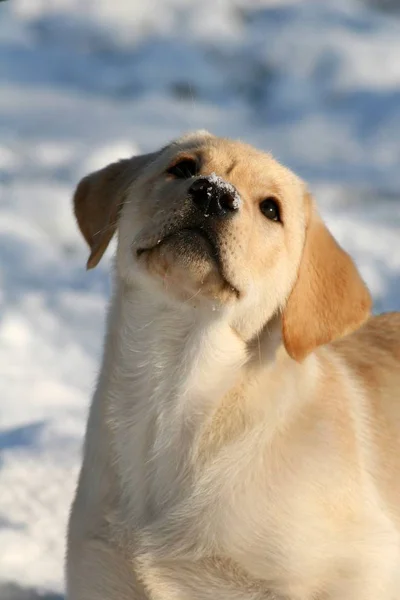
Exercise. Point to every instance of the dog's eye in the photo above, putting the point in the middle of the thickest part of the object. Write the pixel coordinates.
(184, 169)
(270, 209)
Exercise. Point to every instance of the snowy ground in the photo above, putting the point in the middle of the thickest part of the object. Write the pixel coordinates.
(84, 82)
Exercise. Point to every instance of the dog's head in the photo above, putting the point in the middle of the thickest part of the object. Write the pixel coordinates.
(212, 223)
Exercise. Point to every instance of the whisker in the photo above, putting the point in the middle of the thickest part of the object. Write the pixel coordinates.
(106, 228)
(146, 325)
(194, 296)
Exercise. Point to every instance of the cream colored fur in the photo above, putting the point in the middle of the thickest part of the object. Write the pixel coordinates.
(240, 445)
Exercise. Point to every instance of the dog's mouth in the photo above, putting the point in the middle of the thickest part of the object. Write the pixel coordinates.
(189, 235)
(193, 244)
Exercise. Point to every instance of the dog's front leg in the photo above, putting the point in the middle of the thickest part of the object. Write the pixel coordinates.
(96, 570)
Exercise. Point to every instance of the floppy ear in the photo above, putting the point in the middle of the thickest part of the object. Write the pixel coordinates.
(98, 199)
(329, 298)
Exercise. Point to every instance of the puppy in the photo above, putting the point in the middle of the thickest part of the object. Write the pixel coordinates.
(243, 441)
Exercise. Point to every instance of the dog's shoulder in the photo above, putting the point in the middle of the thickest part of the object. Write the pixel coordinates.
(375, 347)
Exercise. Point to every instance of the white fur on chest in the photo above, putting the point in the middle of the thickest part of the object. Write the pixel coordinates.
(168, 367)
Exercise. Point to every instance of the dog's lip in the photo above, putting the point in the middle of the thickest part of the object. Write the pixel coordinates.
(171, 234)
(205, 235)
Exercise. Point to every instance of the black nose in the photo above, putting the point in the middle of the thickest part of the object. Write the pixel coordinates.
(214, 196)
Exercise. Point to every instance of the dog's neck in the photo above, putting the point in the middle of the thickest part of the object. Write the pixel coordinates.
(165, 369)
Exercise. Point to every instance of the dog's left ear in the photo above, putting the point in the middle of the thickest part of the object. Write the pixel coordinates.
(329, 298)
(98, 199)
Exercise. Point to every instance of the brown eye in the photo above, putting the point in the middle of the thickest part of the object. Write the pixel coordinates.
(184, 169)
(270, 209)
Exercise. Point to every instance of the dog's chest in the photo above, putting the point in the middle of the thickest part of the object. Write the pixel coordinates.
(195, 491)
(246, 504)
(259, 515)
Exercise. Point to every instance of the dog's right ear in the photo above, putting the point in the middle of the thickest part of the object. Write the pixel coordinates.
(98, 200)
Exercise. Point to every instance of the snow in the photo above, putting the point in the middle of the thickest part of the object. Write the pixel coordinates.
(84, 83)
(224, 186)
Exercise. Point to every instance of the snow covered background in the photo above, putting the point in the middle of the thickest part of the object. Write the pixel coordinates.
(84, 82)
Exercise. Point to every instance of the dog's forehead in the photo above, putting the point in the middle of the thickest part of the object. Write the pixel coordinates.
(227, 157)
(222, 152)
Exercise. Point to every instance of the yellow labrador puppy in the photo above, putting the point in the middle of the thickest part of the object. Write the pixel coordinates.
(243, 441)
